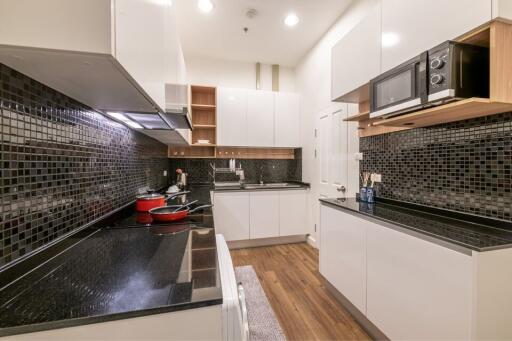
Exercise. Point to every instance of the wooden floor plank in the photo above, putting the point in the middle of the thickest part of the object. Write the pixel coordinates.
(295, 289)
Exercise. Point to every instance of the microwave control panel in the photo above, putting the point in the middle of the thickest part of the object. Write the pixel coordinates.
(439, 69)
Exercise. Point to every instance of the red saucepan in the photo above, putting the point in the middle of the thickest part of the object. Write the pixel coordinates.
(146, 202)
(173, 213)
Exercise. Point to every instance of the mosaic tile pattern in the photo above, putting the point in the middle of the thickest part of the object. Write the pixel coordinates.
(273, 170)
(63, 165)
(463, 166)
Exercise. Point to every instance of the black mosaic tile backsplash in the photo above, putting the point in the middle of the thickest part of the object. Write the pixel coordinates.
(63, 165)
(273, 170)
(463, 166)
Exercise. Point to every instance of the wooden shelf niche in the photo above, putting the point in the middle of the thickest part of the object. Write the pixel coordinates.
(204, 116)
(496, 35)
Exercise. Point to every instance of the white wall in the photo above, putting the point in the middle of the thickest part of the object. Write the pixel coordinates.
(313, 82)
(215, 72)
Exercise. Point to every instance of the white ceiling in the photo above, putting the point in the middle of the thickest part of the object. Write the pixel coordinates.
(220, 34)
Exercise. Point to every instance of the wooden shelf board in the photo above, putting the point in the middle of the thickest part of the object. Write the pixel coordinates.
(204, 126)
(202, 145)
(451, 112)
(203, 106)
(358, 117)
(190, 157)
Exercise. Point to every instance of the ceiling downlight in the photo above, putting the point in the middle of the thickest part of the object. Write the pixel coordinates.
(205, 6)
(291, 20)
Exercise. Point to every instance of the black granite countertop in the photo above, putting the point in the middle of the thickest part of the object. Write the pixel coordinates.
(122, 267)
(471, 232)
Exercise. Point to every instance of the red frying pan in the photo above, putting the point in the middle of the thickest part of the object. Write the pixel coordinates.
(173, 213)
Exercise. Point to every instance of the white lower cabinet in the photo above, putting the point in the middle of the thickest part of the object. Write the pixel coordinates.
(417, 289)
(231, 214)
(260, 214)
(292, 213)
(264, 214)
(343, 254)
(410, 288)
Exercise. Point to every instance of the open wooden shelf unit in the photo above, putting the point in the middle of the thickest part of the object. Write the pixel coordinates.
(204, 115)
(497, 36)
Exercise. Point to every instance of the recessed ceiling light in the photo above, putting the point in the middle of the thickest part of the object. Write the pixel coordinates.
(205, 6)
(291, 20)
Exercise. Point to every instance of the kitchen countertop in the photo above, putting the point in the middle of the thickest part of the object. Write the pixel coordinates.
(122, 267)
(470, 232)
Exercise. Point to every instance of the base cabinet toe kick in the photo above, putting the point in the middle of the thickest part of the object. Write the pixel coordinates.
(405, 287)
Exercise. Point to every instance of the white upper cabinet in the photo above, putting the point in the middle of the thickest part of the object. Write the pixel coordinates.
(231, 117)
(355, 59)
(287, 120)
(142, 51)
(107, 54)
(260, 118)
(502, 9)
(410, 27)
(257, 118)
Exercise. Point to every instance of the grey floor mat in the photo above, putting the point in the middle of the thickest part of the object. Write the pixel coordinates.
(263, 324)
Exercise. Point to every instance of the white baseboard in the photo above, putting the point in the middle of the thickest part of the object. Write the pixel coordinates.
(312, 241)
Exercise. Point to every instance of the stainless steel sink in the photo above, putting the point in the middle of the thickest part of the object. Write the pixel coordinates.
(272, 185)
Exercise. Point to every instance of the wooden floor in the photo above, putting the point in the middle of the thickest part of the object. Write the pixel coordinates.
(305, 309)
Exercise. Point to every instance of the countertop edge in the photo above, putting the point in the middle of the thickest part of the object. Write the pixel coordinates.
(412, 231)
(52, 325)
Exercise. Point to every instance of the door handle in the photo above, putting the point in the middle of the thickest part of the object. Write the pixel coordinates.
(341, 189)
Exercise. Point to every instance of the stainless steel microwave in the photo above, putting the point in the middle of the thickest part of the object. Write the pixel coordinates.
(448, 72)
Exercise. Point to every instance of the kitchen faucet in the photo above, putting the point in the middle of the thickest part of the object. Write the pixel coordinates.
(261, 175)
(240, 172)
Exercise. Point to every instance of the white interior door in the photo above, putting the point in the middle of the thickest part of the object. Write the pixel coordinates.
(331, 157)
(332, 152)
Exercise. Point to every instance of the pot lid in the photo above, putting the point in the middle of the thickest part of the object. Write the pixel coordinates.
(151, 196)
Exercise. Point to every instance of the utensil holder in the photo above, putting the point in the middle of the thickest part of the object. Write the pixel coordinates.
(363, 194)
(370, 195)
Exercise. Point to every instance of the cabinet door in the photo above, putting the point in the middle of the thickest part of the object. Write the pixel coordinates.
(231, 117)
(142, 51)
(264, 214)
(343, 254)
(293, 213)
(287, 120)
(355, 59)
(410, 27)
(260, 118)
(417, 289)
(231, 214)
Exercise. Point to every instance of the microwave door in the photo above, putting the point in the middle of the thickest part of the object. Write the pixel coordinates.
(399, 89)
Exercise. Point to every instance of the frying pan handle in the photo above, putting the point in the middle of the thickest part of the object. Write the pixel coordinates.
(172, 196)
(182, 207)
(199, 208)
